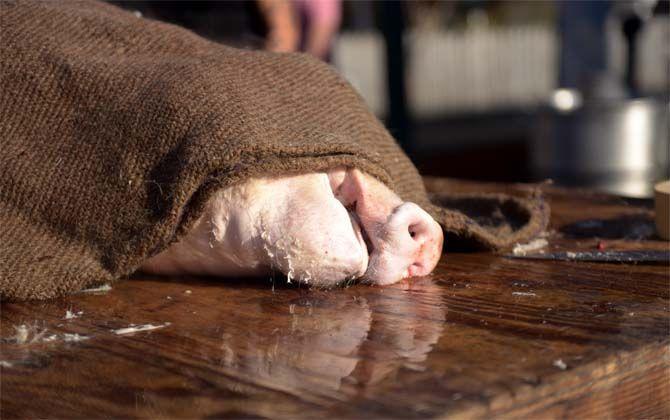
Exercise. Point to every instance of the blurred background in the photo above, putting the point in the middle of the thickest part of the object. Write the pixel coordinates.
(497, 90)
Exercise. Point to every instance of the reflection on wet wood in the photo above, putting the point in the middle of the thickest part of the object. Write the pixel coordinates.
(483, 336)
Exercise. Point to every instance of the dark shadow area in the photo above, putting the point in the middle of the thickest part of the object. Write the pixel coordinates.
(636, 227)
(275, 281)
(496, 212)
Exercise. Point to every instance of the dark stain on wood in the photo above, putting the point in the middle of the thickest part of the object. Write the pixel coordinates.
(482, 336)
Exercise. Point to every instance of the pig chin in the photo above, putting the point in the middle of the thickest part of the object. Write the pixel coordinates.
(318, 255)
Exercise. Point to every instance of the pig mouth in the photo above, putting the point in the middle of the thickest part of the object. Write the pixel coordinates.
(356, 221)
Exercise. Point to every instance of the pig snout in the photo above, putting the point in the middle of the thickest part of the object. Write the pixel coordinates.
(409, 244)
(402, 239)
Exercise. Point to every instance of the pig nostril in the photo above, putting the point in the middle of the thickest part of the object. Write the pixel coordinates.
(414, 231)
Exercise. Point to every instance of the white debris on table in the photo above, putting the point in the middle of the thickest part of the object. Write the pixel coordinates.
(559, 363)
(27, 334)
(69, 338)
(523, 294)
(31, 334)
(72, 315)
(523, 249)
(102, 289)
(21, 334)
(138, 328)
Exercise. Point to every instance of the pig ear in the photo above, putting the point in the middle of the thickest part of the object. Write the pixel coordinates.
(336, 178)
(351, 188)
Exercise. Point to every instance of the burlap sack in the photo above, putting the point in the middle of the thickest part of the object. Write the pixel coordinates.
(116, 129)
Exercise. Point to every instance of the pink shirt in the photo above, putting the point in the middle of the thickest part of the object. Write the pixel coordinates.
(324, 12)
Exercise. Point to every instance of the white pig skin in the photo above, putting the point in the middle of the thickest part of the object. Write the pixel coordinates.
(319, 229)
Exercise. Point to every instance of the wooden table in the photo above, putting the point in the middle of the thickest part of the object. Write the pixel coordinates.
(483, 336)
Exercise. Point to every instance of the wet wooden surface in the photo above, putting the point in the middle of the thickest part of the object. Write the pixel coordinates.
(483, 336)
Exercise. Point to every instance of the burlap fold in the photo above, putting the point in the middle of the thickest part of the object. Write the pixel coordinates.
(114, 131)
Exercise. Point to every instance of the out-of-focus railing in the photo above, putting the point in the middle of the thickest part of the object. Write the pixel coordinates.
(486, 69)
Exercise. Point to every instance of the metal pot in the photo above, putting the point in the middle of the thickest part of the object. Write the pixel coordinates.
(618, 146)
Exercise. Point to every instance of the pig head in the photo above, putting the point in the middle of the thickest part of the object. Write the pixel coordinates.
(318, 228)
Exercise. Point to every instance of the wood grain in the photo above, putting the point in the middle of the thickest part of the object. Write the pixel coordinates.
(483, 336)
